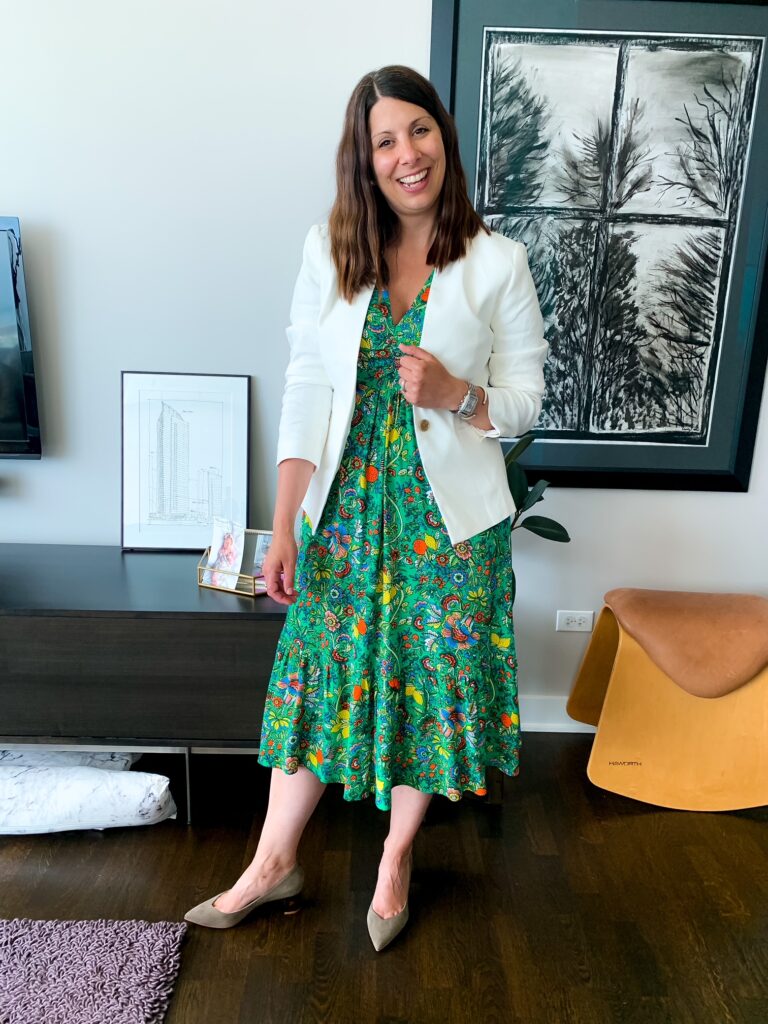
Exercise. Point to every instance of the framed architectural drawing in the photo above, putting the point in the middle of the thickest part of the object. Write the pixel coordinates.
(626, 144)
(185, 446)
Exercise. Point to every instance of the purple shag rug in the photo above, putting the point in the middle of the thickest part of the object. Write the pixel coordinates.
(87, 972)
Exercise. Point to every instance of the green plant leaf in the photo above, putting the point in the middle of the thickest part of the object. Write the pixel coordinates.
(534, 494)
(546, 528)
(517, 450)
(518, 484)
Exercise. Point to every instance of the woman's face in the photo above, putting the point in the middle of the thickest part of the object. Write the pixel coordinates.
(408, 156)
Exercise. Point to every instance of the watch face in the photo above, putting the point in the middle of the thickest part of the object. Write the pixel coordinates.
(468, 404)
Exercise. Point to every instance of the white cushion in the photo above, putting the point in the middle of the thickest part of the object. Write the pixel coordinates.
(60, 799)
(31, 756)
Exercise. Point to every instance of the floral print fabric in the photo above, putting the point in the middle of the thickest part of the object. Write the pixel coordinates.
(396, 664)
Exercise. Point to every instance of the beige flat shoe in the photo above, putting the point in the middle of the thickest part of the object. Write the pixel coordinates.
(208, 916)
(384, 929)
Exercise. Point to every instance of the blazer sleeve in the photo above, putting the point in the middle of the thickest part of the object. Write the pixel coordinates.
(307, 395)
(519, 351)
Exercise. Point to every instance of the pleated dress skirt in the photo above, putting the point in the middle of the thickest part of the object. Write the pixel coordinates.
(396, 664)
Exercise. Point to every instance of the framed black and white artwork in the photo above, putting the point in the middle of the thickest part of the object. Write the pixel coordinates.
(185, 446)
(626, 144)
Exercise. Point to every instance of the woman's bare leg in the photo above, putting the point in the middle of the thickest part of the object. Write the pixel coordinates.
(292, 799)
(409, 806)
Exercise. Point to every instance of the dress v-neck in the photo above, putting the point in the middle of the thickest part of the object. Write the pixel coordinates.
(385, 295)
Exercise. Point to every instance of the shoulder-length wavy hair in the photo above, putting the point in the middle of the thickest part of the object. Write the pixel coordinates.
(362, 224)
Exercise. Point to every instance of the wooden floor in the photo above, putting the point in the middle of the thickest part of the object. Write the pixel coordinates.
(562, 903)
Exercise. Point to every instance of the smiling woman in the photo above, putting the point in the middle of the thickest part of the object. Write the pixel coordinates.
(408, 156)
(396, 127)
(396, 672)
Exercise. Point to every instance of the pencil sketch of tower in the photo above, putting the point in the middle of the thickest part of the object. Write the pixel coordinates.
(209, 494)
(172, 491)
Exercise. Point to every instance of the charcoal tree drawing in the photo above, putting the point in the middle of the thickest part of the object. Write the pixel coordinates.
(619, 160)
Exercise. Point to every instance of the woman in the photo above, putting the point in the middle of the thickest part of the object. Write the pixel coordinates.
(225, 559)
(416, 342)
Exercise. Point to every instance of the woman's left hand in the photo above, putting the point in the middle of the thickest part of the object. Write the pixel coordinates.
(427, 382)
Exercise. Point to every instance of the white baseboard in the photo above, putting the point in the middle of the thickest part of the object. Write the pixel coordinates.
(548, 714)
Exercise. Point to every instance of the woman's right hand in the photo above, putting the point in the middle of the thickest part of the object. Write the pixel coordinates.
(280, 568)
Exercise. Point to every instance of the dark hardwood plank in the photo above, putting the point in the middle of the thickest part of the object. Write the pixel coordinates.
(560, 904)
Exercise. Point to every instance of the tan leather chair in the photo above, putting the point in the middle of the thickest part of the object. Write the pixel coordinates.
(677, 685)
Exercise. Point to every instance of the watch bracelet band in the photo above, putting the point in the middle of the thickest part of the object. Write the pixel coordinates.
(467, 409)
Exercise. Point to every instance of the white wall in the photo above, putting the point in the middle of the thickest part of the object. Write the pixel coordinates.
(166, 161)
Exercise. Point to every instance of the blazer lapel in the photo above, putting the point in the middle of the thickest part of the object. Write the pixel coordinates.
(341, 329)
(438, 334)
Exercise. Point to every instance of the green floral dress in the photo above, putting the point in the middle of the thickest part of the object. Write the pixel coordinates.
(396, 664)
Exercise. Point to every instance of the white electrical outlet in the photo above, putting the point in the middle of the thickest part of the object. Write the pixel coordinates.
(576, 622)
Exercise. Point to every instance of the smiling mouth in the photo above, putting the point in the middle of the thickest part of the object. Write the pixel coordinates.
(412, 182)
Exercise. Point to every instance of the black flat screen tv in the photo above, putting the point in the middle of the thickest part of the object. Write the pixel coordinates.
(19, 425)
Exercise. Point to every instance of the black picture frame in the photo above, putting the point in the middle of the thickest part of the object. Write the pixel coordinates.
(720, 459)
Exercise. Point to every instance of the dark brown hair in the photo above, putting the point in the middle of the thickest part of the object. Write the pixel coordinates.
(362, 224)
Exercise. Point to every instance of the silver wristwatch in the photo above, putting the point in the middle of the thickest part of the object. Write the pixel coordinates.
(468, 406)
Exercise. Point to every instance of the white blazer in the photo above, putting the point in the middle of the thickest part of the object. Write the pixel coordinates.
(482, 321)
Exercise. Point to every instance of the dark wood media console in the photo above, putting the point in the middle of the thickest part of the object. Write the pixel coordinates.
(98, 646)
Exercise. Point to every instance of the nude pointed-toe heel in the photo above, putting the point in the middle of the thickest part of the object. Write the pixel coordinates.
(383, 929)
(208, 916)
